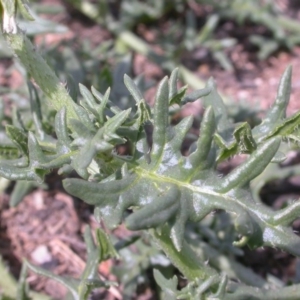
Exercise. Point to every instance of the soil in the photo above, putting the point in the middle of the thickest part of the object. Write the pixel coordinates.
(46, 228)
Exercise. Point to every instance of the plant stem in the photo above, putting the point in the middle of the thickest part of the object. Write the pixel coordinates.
(229, 265)
(9, 286)
(188, 263)
(40, 71)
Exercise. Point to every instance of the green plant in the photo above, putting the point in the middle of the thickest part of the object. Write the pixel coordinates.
(154, 187)
(280, 31)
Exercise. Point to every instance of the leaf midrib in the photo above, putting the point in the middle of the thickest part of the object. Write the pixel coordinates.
(263, 216)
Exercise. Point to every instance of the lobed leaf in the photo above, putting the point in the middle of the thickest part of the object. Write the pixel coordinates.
(174, 189)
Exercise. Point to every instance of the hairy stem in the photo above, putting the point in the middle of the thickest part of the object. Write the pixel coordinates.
(42, 74)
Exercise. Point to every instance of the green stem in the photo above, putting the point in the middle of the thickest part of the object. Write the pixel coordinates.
(228, 265)
(189, 261)
(190, 265)
(40, 71)
(9, 286)
(186, 260)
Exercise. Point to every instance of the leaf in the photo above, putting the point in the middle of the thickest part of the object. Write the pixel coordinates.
(21, 189)
(133, 89)
(106, 248)
(33, 169)
(23, 7)
(287, 127)
(89, 101)
(195, 95)
(163, 208)
(169, 286)
(175, 189)
(173, 84)
(224, 127)
(18, 137)
(275, 119)
(71, 286)
(103, 141)
(22, 293)
(244, 143)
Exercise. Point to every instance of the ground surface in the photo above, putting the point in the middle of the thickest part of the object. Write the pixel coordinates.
(47, 226)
